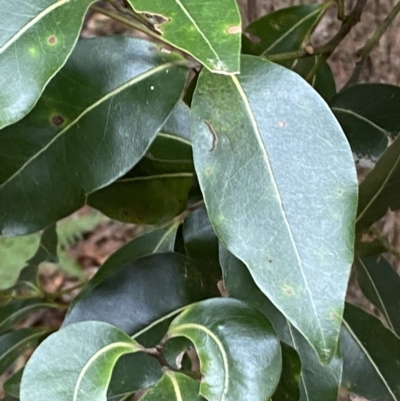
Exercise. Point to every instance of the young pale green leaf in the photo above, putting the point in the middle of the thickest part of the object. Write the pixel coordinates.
(17, 309)
(271, 151)
(208, 31)
(371, 356)
(35, 41)
(161, 239)
(285, 30)
(381, 285)
(323, 81)
(317, 382)
(140, 292)
(16, 342)
(378, 191)
(120, 90)
(174, 386)
(368, 114)
(75, 364)
(239, 352)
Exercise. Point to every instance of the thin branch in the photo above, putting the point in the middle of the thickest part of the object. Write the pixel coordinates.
(366, 50)
(340, 10)
(328, 48)
(128, 22)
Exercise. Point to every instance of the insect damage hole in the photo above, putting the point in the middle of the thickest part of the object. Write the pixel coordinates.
(57, 120)
(234, 29)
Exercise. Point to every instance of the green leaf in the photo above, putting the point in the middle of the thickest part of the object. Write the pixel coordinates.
(368, 114)
(17, 309)
(323, 81)
(140, 292)
(174, 386)
(145, 198)
(378, 191)
(14, 343)
(371, 356)
(13, 383)
(210, 32)
(273, 137)
(35, 42)
(285, 30)
(228, 335)
(317, 382)
(380, 283)
(288, 387)
(201, 244)
(118, 89)
(161, 239)
(21, 262)
(70, 366)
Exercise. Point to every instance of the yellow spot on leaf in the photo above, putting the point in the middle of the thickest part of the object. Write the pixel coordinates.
(234, 29)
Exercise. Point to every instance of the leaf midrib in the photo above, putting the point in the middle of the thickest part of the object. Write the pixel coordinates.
(295, 26)
(109, 95)
(359, 343)
(179, 329)
(283, 212)
(129, 347)
(32, 22)
(156, 177)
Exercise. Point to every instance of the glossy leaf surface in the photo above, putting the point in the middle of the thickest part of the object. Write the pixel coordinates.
(286, 29)
(317, 382)
(16, 342)
(369, 117)
(209, 31)
(273, 136)
(378, 191)
(380, 283)
(147, 288)
(161, 239)
(94, 122)
(174, 386)
(69, 367)
(201, 244)
(371, 356)
(239, 353)
(31, 34)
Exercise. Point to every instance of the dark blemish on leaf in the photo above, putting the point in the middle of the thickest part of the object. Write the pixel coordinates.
(52, 40)
(340, 192)
(234, 29)
(57, 120)
(270, 260)
(334, 316)
(281, 124)
(214, 135)
(288, 290)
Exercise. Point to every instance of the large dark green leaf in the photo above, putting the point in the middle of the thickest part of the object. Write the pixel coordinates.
(371, 356)
(323, 81)
(13, 383)
(265, 150)
(161, 239)
(209, 31)
(317, 382)
(381, 285)
(286, 29)
(379, 190)
(369, 115)
(75, 363)
(93, 123)
(140, 292)
(14, 343)
(239, 352)
(36, 38)
(201, 244)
